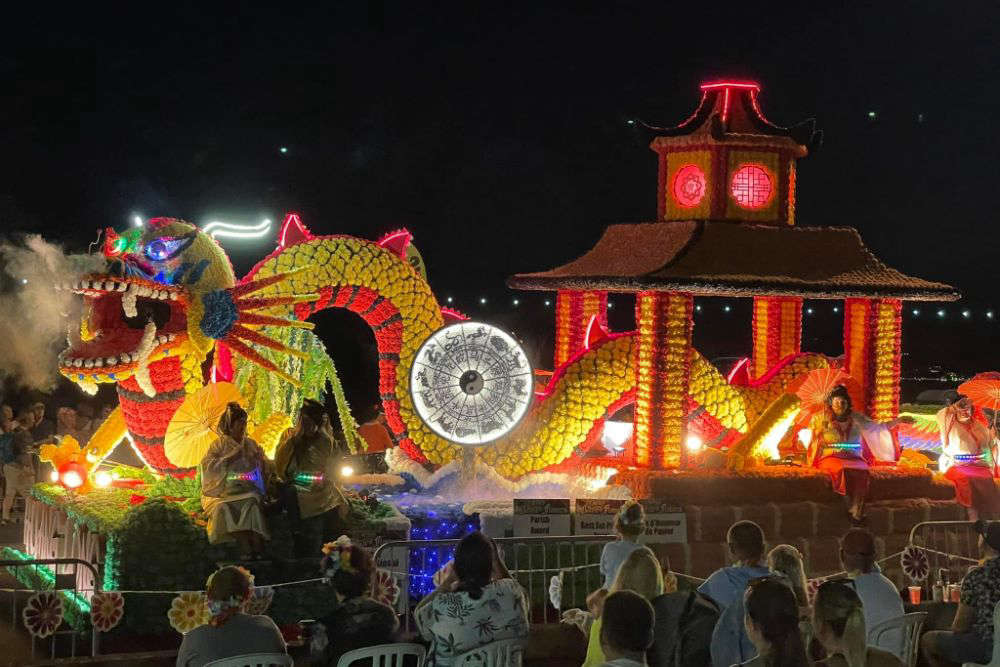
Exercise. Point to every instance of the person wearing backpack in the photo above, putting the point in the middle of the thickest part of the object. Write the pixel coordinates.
(683, 630)
(18, 472)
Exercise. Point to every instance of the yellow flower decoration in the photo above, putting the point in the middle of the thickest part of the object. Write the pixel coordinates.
(188, 611)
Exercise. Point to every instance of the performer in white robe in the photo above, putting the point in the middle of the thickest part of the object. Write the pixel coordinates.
(968, 458)
(234, 476)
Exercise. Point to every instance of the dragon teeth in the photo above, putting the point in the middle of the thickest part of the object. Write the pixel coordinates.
(128, 302)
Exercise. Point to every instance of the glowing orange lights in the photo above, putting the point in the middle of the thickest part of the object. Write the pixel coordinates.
(777, 331)
(663, 372)
(689, 186)
(574, 312)
(752, 186)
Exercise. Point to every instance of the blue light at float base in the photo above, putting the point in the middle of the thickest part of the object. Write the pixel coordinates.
(228, 230)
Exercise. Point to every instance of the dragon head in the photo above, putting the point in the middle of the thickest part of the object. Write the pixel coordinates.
(140, 309)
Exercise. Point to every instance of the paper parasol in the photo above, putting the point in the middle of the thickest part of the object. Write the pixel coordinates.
(193, 427)
(984, 391)
(816, 385)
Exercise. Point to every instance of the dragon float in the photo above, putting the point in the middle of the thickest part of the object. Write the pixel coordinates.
(168, 317)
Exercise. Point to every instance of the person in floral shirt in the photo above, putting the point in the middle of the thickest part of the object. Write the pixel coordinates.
(476, 603)
(971, 636)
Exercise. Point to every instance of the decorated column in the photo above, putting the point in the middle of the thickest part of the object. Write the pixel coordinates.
(663, 368)
(574, 310)
(872, 334)
(777, 331)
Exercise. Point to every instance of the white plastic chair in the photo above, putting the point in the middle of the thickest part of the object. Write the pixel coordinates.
(908, 627)
(995, 660)
(503, 653)
(384, 655)
(254, 660)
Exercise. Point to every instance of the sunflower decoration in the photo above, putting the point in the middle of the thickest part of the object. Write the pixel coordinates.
(384, 588)
(915, 564)
(188, 611)
(43, 614)
(106, 610)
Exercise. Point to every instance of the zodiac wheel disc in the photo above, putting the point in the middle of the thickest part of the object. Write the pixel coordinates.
(471, 383)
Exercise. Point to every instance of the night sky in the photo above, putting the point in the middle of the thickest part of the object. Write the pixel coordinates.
(499, 136)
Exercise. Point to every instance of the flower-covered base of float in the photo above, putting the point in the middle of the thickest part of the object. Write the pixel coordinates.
(152, 538)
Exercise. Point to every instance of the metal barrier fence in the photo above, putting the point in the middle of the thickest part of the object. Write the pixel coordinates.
(952, 546)
(67, 575)
(532, 561)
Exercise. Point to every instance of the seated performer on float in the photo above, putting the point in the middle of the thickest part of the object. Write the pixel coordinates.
(845, 443)
(305, 462)
(234, 476)
(968, 459)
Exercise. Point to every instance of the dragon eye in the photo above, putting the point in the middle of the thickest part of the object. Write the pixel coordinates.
(118, 246)
(165, 247)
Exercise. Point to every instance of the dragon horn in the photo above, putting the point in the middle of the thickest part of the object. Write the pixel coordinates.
(261, 283)
(246, 352)
(241, 332)
(268, 320)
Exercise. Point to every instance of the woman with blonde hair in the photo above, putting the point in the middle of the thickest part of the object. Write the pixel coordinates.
(786, 560)
(641, 573)
(839, 625)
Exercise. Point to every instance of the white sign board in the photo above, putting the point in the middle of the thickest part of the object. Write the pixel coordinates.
(541, 518)
(595, 516)
(664, 523)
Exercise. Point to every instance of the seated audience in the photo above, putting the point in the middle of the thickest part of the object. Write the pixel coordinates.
(627, 630)
(730, 642)
(234, 475)
(746, 545)
(839, 625)
(772, 622)
(683, 626)
(230, 632)
(358, 621)
(971, 636)
(475, 603)
(879, 597)
(640, 573)
(630, 523)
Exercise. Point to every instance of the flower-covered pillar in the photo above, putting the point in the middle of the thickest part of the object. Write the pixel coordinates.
(872, 335)
(663, 368)
(574, 310)
(777, 331)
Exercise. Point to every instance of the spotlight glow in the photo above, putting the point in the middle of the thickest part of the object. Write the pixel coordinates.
(346, 471)
(615, 435)
(137, 220)
(54, 476)
(102, 479)
(805, 436)
(694, 444)
(71, 479)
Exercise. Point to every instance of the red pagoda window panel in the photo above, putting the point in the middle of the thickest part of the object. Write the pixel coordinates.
(752, 186)
(689, 186)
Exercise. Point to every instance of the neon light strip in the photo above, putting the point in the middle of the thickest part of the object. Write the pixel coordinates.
(736, 369)
(229, 230)
(725, 106)
(730, 84)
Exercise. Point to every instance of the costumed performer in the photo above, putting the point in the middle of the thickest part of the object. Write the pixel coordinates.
(968, 458)
(234, 475)
(306, 463)
(845, 443)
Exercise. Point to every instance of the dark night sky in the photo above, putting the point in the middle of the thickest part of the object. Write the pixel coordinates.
(499, 137)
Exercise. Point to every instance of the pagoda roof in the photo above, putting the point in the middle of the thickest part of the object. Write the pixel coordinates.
(729, 112)
(710, 258)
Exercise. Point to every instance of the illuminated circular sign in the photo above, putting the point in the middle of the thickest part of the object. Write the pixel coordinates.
(689, 186)
(751, 186)
(471, 383)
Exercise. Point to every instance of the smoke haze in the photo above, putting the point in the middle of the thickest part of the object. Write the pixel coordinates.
(33, 315)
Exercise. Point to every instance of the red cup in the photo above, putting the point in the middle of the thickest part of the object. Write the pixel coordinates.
(915, 592)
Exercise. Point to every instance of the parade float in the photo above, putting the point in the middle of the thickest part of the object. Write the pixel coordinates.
(177, 333)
